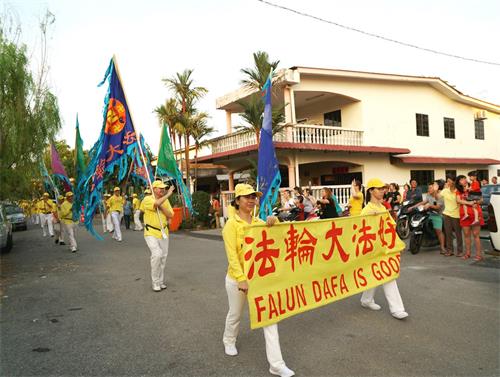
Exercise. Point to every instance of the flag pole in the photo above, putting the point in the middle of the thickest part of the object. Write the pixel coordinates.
(115, 64)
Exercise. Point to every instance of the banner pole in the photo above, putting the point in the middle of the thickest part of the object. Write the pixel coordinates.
(115, 64)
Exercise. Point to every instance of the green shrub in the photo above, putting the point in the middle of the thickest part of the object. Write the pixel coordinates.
(201, 206)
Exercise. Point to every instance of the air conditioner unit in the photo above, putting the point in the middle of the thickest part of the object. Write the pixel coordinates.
(481, 114)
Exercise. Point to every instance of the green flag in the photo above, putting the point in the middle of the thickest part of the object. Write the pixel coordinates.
(166, 165)
(79, 156)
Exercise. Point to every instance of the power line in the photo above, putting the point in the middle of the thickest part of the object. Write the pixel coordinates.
(376, 35)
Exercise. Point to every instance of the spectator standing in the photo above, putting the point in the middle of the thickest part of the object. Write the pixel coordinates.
(451, 218)
(327, 204)
(494, 180)
(127, 213)
(469, 227)
(406, 188)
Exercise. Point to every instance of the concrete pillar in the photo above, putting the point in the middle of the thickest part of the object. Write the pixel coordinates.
(292, 106)
(297, 172)
(229, 127)
(291, 174)
(288, 105)
(231, 181)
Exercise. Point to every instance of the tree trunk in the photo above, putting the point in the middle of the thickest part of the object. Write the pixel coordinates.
(196, 168)
(186, 156)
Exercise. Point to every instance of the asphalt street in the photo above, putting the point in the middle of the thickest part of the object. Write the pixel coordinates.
(93, 313)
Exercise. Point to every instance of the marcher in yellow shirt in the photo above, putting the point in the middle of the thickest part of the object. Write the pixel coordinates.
(375, 195)
(157, 213)
(356, 199)
(236, 283)
(58, 228)
(67, 222)
(115, 206)
(46, 207)
(136, 204)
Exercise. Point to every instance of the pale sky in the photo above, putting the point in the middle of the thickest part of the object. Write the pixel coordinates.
(154, 39)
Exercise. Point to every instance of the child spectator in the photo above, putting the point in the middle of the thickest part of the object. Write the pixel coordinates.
(299, 203)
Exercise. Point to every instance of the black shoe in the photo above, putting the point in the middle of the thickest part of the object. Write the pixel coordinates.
(57, 241)
(52, 236)
(62, 243)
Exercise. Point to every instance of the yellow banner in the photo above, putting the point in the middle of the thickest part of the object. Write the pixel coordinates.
(298, 266)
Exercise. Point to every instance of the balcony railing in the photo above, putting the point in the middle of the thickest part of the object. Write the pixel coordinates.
(297, 133)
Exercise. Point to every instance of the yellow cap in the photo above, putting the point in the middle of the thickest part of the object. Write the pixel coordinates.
(60, 197)
(374, 183)
(45, 194)
(134, 195)
(147, 191)
(68, 194)
(116, 189)
(159, 184)
(242, 189)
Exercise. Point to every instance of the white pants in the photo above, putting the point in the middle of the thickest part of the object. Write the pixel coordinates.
(47, 222)
(70, 230)
(392, 296)
(137, 220)
(58, 230)
(237, 300)
(115, 218)
(35, 219)
(109, 223)
(159, 252)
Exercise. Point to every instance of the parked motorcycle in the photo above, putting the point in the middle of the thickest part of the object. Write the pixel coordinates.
(403, 219)
(292, 214)
(421, 229)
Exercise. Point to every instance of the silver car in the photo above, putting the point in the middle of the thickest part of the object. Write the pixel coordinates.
(16, 217)
(5, 231)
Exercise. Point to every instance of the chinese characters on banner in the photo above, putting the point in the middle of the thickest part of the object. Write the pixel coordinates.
(299, 266)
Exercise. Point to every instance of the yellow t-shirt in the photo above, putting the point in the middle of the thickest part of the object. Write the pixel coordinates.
(115, 203)
(66, 213)
(136, 203)
(372, 208)
(46, 207)
(356, 205)
(233, 234)
(151, 217)
(451, 207)
(141, 206)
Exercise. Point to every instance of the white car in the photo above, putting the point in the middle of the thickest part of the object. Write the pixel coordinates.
(5, 231)
(494, 220)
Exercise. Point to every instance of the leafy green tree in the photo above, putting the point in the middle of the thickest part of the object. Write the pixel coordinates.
(29, 115)
(256, 76)
(200, 131)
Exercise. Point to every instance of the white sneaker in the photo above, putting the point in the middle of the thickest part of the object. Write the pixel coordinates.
(400, 315)
(230, 349)
(370, 305)
(163, 286)
(156, 288)
(284, 371)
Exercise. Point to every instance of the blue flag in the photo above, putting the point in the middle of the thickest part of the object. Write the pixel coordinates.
(268, 171)
(116, 145)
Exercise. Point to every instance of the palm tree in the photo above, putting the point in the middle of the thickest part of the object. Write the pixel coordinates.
(253, 114)
(257, 76)
(182, 85)
(200, 130)
(169, 114)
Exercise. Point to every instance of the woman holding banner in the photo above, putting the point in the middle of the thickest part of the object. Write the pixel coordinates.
(375, 195)
(236, 283)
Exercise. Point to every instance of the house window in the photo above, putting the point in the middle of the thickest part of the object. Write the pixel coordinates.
(479, 129)
(449, 128)
(422, 124)
(450, 173)
(423, 177)
(333, 118)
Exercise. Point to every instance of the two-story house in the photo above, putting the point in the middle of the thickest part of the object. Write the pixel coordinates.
(346, 124)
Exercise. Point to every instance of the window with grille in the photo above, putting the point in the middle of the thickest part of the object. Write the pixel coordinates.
(479, 129)
(422, 124)
(333, 118)
(449, 128)
(423, 177)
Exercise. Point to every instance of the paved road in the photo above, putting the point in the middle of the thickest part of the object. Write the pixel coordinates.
(94, 314)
